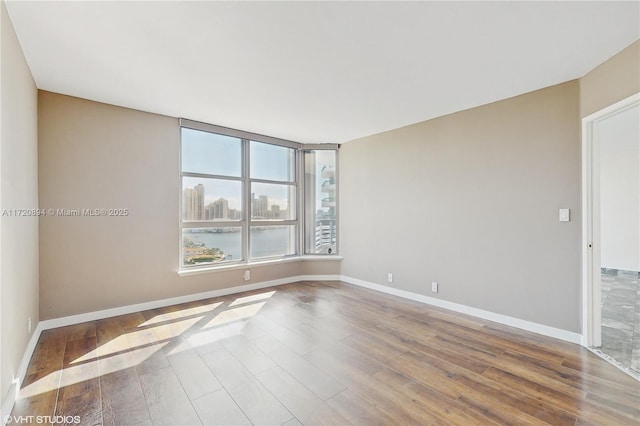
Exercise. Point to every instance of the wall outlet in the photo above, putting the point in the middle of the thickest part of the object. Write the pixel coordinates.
(390, 277)
(434, 287)
(247, 275)
(29, 325)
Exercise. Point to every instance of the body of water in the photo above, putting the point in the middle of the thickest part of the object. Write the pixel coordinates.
(265, 242)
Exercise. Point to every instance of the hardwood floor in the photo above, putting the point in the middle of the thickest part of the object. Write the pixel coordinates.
(317, 353)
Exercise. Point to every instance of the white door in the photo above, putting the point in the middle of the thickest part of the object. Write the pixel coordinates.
(611, 222)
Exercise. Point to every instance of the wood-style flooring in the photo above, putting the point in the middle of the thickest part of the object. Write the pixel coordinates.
(317, 353)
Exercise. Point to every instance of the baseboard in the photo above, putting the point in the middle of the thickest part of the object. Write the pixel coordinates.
(319, 278)
(129, 309)
(8, 403)
(545, 330)
(10, 398)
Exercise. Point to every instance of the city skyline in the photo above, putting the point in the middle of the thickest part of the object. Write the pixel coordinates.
(194, 207)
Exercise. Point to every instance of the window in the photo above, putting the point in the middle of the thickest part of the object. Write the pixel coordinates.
(273, 201)
(320, 207)
(248, 198)
(212, 207)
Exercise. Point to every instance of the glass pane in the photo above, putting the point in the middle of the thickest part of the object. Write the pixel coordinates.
(320, 210)
(272, 162)
(267, 241)
(210, 153)
(273, 201)
(211, 199)
(201, 246)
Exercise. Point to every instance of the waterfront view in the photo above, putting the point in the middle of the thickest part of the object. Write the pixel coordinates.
(220, 198)
(204, 245)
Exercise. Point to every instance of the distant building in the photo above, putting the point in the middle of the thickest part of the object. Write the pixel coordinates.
(220, 209)
(193, 203)
(275, 212)
(259, 206)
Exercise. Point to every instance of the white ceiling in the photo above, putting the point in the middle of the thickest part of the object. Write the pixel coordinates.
(315, 71)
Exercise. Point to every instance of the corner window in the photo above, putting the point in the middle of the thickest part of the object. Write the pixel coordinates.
(321, 202)
(248, 198)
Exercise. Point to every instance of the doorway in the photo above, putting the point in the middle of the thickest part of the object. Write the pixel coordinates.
(611, 233)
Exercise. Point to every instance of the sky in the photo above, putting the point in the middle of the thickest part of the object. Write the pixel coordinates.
(210, 153)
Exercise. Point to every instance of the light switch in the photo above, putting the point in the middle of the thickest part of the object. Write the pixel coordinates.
(563, 215)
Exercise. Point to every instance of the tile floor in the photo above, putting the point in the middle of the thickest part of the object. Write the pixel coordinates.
(621, 317)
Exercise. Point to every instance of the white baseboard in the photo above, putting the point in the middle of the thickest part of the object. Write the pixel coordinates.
(319, 278)
(545, 330)
(10, 398)
(8, 403)
(129, 309)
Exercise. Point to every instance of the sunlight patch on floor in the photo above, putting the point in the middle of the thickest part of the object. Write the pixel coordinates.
(129, 359)
(252, 298)
(138, 338)
(89, 370)
(169, 316)
(133, 347)
(210, 336)
(174, 329)
(235, 314)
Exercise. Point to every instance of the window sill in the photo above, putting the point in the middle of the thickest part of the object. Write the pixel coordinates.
(249, 265)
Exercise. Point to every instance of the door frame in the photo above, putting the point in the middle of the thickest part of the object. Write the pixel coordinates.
(591, 311)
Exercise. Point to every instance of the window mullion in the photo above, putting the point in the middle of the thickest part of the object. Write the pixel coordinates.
(274, 182)
(210, 224)
(208, 176)
(273, 222)
(246, 241)
(300, 199)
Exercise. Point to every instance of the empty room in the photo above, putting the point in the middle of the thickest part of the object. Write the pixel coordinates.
(313, 213)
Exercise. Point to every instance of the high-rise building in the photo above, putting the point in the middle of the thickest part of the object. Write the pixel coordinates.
(326, 216)
(220, 209)
(193, 203)
(199, 201)
(263, 202)
(208, 212)
(259, 206)
(188, 204)
(275, 212)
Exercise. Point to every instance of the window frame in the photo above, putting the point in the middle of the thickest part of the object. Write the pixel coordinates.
(309, 210)
(203, 223)
(246, 222)
(295, 183)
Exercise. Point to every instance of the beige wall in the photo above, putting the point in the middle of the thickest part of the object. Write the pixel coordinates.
(94, 155)
(614, 80)
(18, 235)
(471, 201)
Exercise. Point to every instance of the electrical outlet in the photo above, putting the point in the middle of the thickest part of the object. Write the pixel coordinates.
(390, 277)
(434, 287)
(29, 325)
(247, 275)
